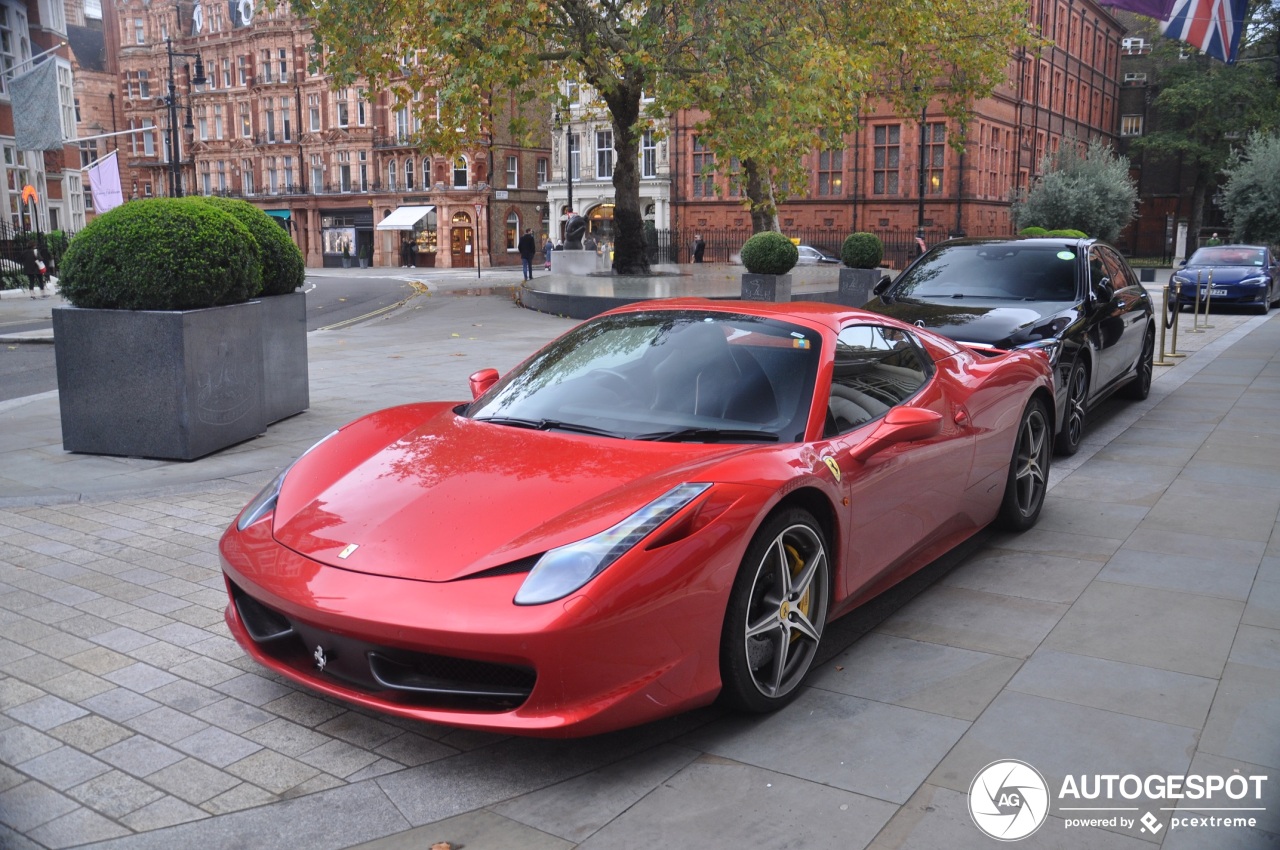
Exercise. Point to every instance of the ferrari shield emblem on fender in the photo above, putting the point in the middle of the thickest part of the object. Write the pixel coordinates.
(833, 466)
(320, 657)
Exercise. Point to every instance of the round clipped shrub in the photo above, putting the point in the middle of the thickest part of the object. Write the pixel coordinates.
(283, 268)
(161, 254)
(769, 253)
(862, 250)
(1068, 234)
(1033, 231)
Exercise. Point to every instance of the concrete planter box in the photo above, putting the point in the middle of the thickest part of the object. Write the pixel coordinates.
(856, 285)
(286, 385)
(766, 287)
(171, 385)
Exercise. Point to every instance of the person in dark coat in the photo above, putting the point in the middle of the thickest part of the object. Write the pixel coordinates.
(34, 268)
(527, 248)
(699, 248)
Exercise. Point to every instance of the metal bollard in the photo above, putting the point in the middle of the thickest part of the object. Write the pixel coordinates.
(1175, 316)
(1208, 300)
(1195, 308)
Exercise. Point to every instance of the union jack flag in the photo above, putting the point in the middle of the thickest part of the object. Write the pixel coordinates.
(1214, 26)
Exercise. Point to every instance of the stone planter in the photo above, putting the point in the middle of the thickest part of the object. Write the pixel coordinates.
(364, 263)
(286, 386)
(346, 262)
(766, 287)
(856, 285)
(172, 385)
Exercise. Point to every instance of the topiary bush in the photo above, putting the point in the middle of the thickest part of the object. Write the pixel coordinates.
(283, 268)
(161, 254)
(862, 250)
(1067, 234)
(1033, 231)
(769, 253)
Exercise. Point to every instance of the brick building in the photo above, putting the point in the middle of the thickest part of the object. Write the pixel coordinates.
(875, 180)
(338, 168)
(30, 30)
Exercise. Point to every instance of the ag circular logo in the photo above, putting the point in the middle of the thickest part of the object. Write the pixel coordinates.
(1008, 800)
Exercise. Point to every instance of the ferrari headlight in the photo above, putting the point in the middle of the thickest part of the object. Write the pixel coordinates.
(265, 502)
(1051, 348)
(567, 568)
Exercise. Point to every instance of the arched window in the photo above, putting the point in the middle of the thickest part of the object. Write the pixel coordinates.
(460, 173)
(513, 231)
(408, 174)
(391, 176)
(426, 172)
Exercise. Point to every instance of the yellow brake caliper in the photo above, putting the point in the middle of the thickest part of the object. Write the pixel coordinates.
(797, 564)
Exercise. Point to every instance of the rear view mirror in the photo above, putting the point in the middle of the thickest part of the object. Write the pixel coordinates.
(481, 382)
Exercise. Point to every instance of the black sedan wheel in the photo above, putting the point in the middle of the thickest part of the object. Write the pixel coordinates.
(777, 611)
(1072, 430)
(1140, 387)
(1028, 471)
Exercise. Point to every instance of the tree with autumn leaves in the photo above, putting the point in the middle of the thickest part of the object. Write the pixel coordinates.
(775, 80)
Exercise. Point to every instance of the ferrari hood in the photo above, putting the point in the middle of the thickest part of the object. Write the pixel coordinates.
(452, 496)
(1004, 323)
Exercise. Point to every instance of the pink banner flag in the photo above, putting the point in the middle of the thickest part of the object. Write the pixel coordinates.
(104, 183)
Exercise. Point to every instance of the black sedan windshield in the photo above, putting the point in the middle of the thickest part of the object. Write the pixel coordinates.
(1004, 270)
(666, 375)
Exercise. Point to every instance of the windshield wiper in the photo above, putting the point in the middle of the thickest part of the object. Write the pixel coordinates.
(547, 425)
(708, 435)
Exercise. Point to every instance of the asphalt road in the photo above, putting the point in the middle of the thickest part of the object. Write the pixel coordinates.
(332, 302)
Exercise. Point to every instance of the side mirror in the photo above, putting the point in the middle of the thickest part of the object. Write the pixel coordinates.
(1182, 263)
(883, 286)
(481, 382)
(900, 425)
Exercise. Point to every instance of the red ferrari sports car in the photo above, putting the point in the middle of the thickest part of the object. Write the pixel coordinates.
(664, 506)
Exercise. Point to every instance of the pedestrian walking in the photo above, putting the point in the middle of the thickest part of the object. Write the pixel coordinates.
(527, 248)
(699, 248)
(35, 270)
(547, 248)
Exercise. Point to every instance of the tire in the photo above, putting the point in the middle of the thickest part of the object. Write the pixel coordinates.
(1028, 480)
(1073, 418)
(1140, 387)
(777, 610)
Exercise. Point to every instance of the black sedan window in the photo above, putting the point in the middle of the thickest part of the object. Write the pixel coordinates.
(1009, 271)
(666, 375)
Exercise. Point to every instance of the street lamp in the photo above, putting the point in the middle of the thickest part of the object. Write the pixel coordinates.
(568, 156)
(171, 101)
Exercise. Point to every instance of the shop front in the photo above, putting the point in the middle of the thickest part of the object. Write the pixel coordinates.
(410, 235)
(345, 235)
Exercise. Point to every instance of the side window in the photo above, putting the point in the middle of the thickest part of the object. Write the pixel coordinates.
(876, 368)
(1121, 277)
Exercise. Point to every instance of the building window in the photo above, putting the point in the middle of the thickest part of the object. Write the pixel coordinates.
(460, 173)
(831, 173)
(362, 158)
(935, 152)
(266, 66)
(13, 43)
(887, 154)
(604, 153)
(542, 170)
(270, 116)
(284, 65)
(288, 173)
(1131, 125)
(1134, 78)
(313, 112)
(317, 172)
(513, 172)
(246, 176)
(202, 123)
(148, 138)
(1133, 45)
(343, 118)
(206, 179)
(226, 73)
(735, 177)
(217, 121)
(391, 176)
(513, 232)
(648, 155)
(144, 84)
(246, 121)
(286, 110)
(222, 176)
(66, 98)
(402, 125)
(426, 172)
(139, 34)
(408, 174)
(273, 176)
(361, 108)
(344, 171)
(704, 169)
(242, 69)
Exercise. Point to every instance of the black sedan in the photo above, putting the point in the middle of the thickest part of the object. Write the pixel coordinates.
(1075, 299)
(1236, 275)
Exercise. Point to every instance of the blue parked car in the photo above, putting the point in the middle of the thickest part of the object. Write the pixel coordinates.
(1242, 276)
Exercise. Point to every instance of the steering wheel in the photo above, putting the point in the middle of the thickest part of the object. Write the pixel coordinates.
(614, 380)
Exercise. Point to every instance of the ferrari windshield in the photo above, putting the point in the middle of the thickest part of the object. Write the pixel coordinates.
(1228, 256)
(1014, 271)
(665, 375)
